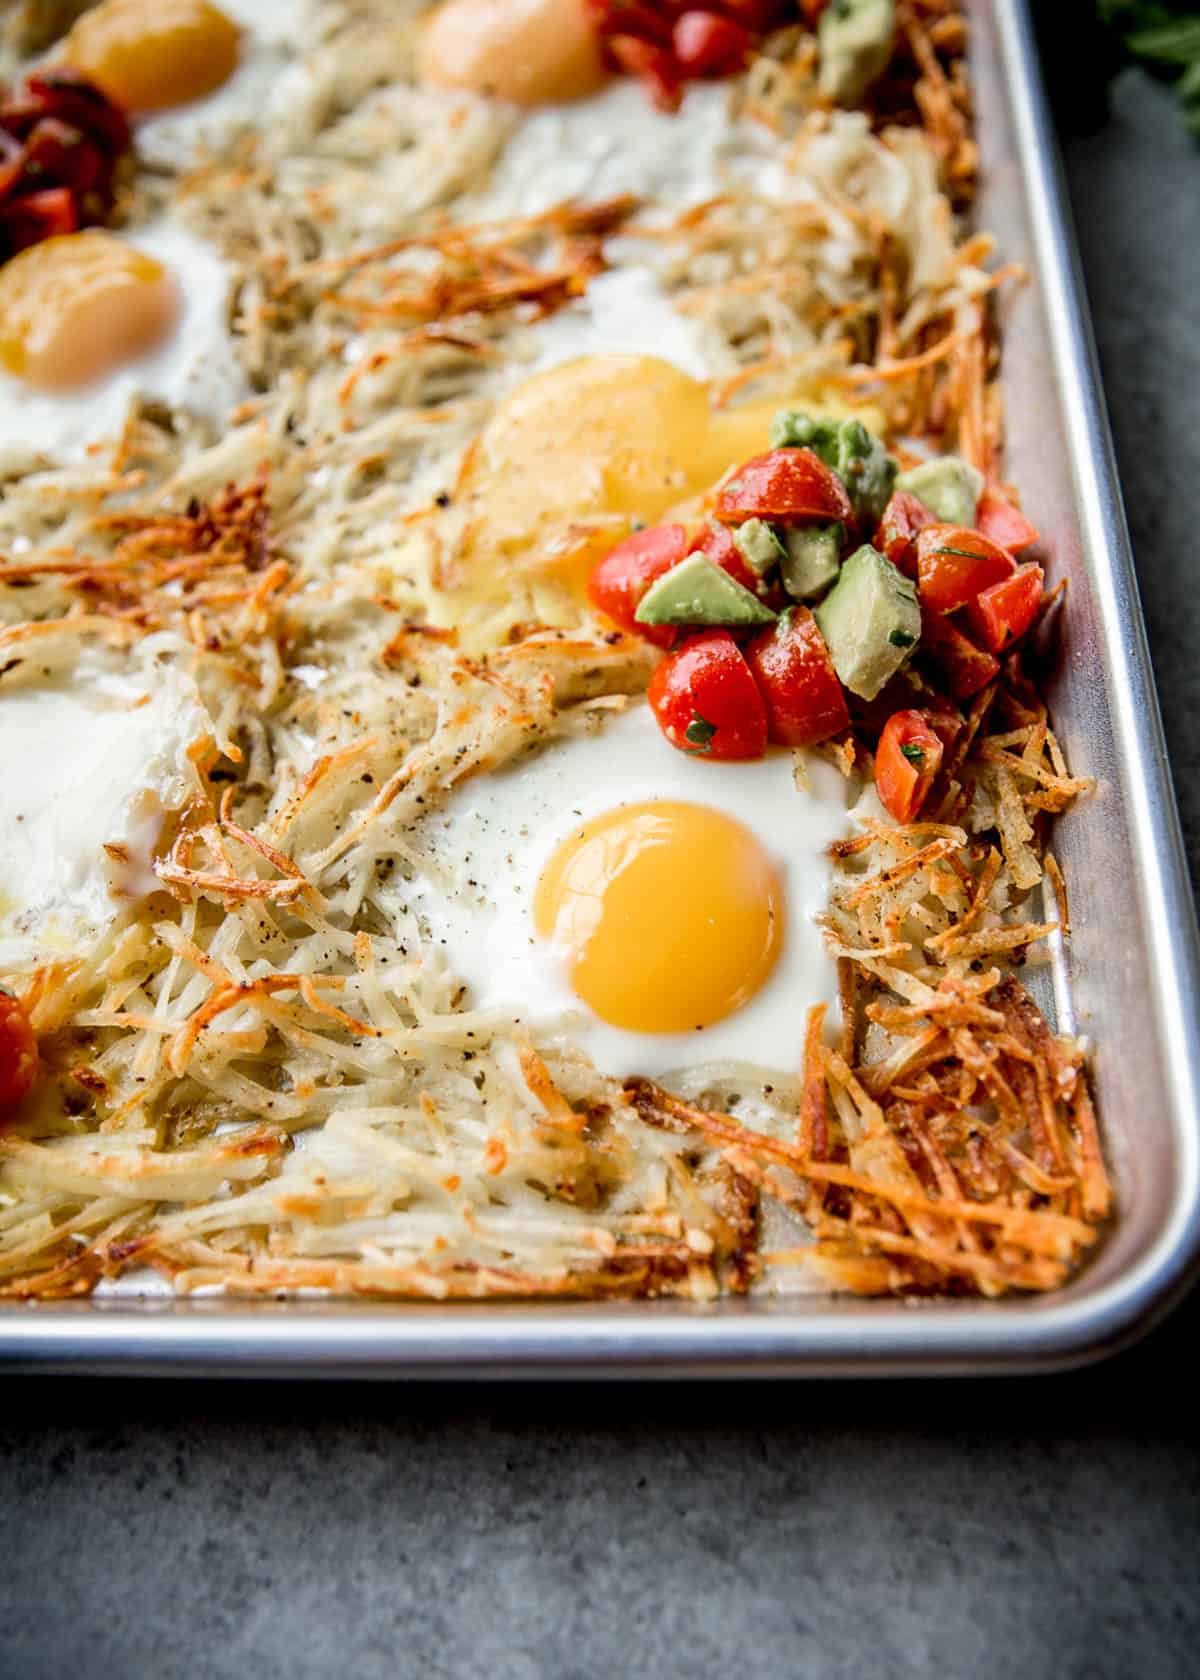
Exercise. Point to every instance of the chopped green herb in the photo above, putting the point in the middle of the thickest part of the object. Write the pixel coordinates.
(963, 553)
(700, 733)
(901, 638)
(913, 752)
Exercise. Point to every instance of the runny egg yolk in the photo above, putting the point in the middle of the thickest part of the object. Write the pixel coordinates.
(150, 54)
(670, 915)
(612, 436)
(530, 51)
(79, 306)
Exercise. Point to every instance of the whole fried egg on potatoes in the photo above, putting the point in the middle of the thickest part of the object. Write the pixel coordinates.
(655, 909)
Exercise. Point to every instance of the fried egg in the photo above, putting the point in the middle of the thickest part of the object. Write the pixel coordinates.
(89, 322)
(91, 764)
(175, 132)
(655, 909)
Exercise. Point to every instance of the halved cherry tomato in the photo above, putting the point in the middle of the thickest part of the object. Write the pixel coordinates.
(57, 152)
(651, 64)
(58, 91)
(632, 17)
(967, 668)
(794, 671)
(1006, 525)
(908, 690)
(626, 572)
(37, 216)
(706, 700)
(1005, 611)
(18, 1051)
(903, 518)
(907, 759)
(785, 484)
(706, 44)
(954, 563)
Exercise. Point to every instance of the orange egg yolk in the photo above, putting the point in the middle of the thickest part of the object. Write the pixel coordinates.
(150, 54)
(611, 436)
(530, 51)
(75, 308)
(670, 915)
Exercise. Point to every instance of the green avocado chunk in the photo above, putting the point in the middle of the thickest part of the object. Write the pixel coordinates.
(871, 621)
(698, 592)
(759, 545)
(813, 559)
(859, 459)
(854, 38)
(949, 487)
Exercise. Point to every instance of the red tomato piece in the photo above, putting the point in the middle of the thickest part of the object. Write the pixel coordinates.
(12, 164)
(908, 690)
(706, 44)
(632, 17)
(57, 152)
(967, 668)
(794, 671)
(785, 484)
(37, 216)
(1006, 525)
(18, 1051)
(626, 572)
(1005, 611)
(706, 700)
(954, 564)
(907, 759)
(58, 91)
(903, 518)
(653, 65)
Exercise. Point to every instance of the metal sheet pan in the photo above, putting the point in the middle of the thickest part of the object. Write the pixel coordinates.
(1128, 981)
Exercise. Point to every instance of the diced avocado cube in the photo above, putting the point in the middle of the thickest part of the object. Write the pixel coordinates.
(948, 486)
(859, 459)
(813, 559)
(791, 428)
(759, 546)
(854, 39)
(871, 621)
(698, 592)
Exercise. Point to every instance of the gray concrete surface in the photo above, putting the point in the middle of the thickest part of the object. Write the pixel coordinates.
(1005, 1529)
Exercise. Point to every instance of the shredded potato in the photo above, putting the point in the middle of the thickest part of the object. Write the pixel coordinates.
(262, 1078)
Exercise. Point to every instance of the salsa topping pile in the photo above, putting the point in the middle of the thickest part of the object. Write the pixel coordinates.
(829, 590)
(61, 139)
(666, 44)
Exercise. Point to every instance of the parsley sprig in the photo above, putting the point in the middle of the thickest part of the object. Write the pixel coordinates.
(1165, 36)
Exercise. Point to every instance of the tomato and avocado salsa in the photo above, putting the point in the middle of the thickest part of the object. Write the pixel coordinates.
(829, 592)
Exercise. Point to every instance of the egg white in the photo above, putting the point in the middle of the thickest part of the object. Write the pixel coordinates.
(483, 853)
(612, 143)
(271, 32)
(624, 311)
(196, 369)
(95, 758)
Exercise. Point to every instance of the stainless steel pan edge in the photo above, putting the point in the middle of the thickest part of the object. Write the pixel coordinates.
(1152, 946)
